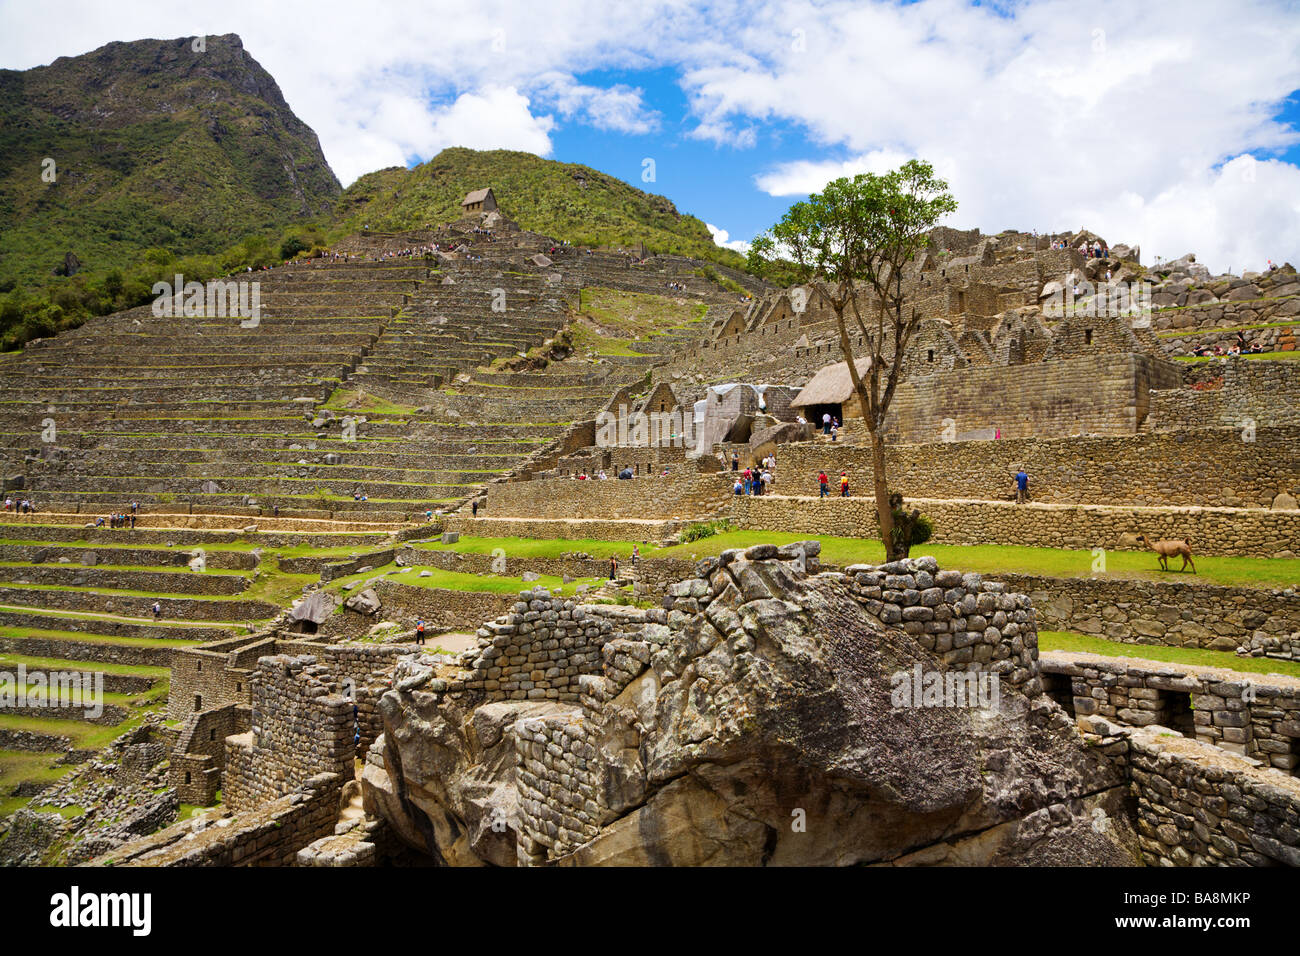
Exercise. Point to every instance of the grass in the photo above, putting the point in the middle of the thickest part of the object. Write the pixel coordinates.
(355, 401)
(1272, 356)
(462, 581)
(1072, 641)
(60, 664)
(994, 559)
(987, 559)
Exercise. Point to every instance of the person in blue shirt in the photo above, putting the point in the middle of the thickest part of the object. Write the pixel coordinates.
(1022, 486)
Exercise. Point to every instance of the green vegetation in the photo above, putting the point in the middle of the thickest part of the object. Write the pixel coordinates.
(563, 200)
(1071, 641)
(1268, 356)
(462, 581)
(349, 400)
(163, 171)
(705, 529)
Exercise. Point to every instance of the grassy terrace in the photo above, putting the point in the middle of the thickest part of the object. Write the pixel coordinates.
(462, 581)
(986, 559)
(1272, 356)
(1070, 641)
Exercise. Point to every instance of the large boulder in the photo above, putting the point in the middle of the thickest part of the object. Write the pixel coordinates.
(364, 602)
(755, 721)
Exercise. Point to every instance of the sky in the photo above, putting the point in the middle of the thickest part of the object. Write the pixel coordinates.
(1173, 124)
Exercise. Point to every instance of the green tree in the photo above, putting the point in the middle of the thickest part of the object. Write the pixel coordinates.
(849, 243)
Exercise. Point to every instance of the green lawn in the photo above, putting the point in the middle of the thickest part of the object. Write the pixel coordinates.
(986, 559)
(1071, 641)
(462, 581)
(1275, 356)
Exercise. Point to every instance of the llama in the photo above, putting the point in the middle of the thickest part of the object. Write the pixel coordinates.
(1170, 548)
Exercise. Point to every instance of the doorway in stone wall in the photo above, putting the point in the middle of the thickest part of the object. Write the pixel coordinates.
(1176, 712)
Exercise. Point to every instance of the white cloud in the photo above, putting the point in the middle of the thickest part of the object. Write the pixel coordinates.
(620, 108)
(723, 238)
(1052, 115)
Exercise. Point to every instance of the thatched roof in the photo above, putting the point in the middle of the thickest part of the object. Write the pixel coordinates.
(831, 385)
(478, 195)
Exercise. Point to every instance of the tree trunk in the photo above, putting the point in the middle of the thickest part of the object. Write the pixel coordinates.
(884, 514)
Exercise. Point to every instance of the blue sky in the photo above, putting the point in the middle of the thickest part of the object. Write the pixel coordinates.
(1171, 123)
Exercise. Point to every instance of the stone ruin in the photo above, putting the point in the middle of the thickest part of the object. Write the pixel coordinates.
(753, 720)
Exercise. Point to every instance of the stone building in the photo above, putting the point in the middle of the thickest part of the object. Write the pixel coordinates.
(480, 200)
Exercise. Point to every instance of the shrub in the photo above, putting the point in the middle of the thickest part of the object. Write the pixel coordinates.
(704, 529)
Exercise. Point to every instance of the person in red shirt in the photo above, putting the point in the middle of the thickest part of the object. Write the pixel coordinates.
(825, 483)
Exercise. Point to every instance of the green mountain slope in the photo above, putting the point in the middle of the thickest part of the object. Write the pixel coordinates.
(154, 145)
(564, 200)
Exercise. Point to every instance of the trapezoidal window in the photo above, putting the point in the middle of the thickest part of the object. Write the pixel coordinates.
(930, 355)
(198, 701)
(1087, 336)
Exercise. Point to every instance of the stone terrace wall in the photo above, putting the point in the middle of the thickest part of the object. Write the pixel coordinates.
(1101, 394)
(1249, 714)
(970, 623)
(301, 727)
(1197, 809)
(1260, 392)
(558, 785)
(677, 496)
(198, 758)
(626, 529)
(1263, 622)
(1211, 466)
(267, 835)
(441, 609)
(1212, 530)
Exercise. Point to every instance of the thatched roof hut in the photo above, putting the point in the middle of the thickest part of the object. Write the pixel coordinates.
(832, 386)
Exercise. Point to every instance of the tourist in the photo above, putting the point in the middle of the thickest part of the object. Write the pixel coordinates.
(9, 504)
(1022, 486)
(765, 480)
(835, 431)
(613, 567)
(419, 631)
(473, 508)
(825, 484)
(735, 466)
(826, 423)
(844, 484)
(604, 476)
(157, 610)
(636, 555)
(738, 488)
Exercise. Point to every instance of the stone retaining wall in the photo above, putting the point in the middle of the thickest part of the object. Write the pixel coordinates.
(1204, 466)
(677, 497)
(1200, 806)
(1254, 715)
(614, 529)
(267, 835)
(301, 727)
(1211, 530)
(1263, 622)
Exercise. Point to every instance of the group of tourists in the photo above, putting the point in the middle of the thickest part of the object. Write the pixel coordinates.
(1238, 348)
(676, 286)
(831, 426)
(117, 520)
(752, 481)
(21, 506)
